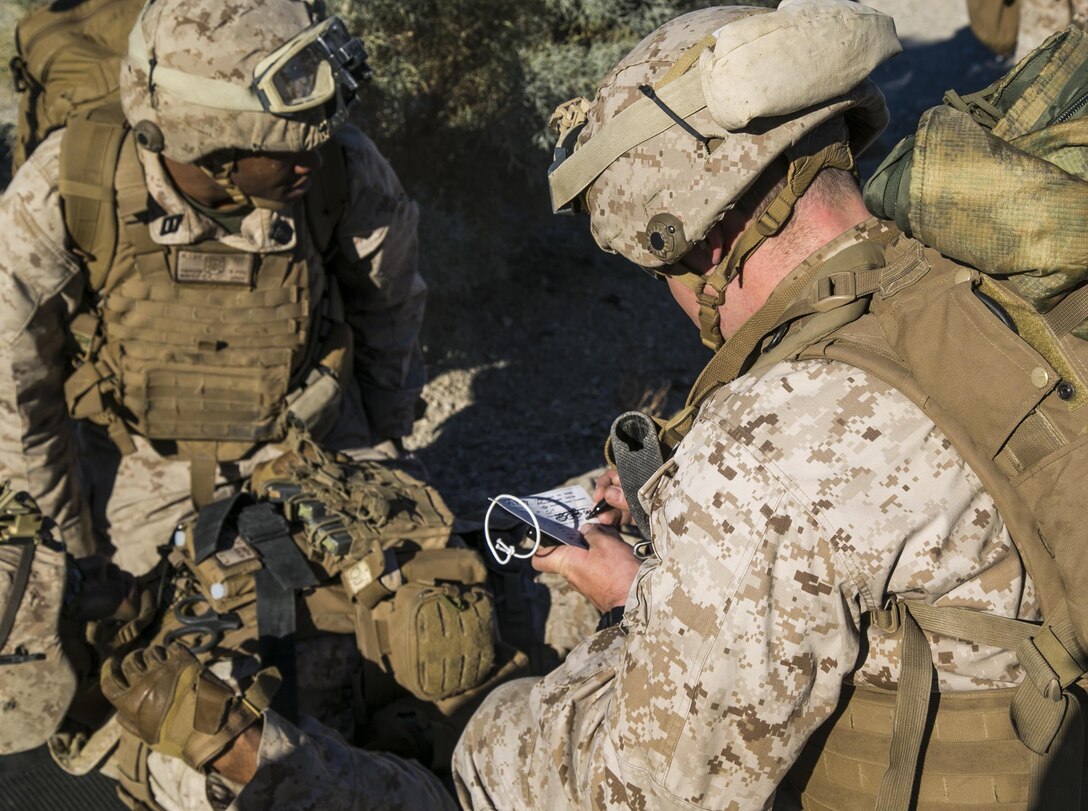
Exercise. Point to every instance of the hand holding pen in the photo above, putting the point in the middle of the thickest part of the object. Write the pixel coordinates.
(609, 502)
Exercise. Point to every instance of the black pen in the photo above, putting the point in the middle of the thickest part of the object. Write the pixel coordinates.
(598, 508)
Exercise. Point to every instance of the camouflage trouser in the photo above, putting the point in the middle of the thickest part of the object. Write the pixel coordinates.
(500, 761)
(138, 500)
(1041, 18)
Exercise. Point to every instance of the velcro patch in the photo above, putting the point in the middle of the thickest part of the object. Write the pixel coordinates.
(214, 268)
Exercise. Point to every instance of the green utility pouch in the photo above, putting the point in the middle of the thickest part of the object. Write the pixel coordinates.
(998, 179)
(441, 638)
(428, 621)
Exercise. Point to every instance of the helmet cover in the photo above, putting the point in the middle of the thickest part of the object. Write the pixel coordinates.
(767, 78)
(190, 71)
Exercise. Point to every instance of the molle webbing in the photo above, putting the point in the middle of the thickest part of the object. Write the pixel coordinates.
(200, 345)
(993, 749)
(198, 361)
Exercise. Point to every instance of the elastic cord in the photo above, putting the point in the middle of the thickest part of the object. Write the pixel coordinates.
(500, 550)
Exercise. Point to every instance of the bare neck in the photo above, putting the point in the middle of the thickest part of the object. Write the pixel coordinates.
(813, 225)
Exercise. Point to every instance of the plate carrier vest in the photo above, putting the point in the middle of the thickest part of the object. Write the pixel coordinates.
(205, 350)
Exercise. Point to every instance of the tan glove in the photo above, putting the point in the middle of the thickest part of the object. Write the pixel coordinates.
(170, 701)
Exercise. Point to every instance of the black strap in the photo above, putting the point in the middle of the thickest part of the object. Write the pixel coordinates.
(276, 639)
(268, 532)
(285, 572)
(638, 456)
(18, 587)
(209, 526)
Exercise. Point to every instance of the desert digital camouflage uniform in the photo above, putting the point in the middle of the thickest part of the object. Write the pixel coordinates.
(800, 499)
(1041, 18)
(72, 468)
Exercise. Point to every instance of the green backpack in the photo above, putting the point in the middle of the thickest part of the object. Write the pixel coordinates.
(68, 61)
(999, 179)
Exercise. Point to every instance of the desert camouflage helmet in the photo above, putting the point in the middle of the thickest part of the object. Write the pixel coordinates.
(37, 682)
(688, 120)
(260, 75)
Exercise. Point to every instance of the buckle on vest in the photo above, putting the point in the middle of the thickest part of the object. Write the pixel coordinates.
(833, 290)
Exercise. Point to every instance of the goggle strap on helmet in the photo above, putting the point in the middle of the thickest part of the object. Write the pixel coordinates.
(213, 93)
(639, 122)
(799, 177)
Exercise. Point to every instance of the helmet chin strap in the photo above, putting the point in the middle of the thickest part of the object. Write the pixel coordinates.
(800, 175)
(221, 174)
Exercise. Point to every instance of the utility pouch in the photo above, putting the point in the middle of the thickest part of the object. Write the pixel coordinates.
(227, 577)
(442, 639)
(429, 621)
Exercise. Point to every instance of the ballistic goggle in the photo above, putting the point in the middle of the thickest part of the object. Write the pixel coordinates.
(310, 69)
(321, 63)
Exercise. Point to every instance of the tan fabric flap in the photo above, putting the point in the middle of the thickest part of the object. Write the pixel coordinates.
(806, 52)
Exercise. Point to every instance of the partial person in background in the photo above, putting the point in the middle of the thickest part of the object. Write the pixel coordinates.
(1017, 27)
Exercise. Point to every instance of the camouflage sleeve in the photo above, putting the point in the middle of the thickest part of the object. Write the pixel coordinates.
(308, 766)
(41, 285)
(796, 502)
(384, 295)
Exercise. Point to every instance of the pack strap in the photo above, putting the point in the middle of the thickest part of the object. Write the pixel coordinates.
(853, 273)
(1050, 656)
(637, 452)
(1070, 312)
(18, 586)
(268, 532)
(284, 573)
(913, 694)
(209, 526)
(89, 154)
(202, 470)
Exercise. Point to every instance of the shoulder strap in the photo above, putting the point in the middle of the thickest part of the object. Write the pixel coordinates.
(89, 156)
